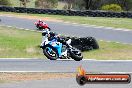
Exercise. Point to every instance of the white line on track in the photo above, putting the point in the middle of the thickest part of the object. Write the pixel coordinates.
(93, 25)
(73, 36)
(109, 28)
(88, 25)
(67, 59)
(99, 27)
(66, 72)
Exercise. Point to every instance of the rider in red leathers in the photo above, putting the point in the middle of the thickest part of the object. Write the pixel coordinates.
(41, 25)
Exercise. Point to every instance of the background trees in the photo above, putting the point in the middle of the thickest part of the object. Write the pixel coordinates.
(5, 2)
(126, 5)
(24, 3)
(46, 3)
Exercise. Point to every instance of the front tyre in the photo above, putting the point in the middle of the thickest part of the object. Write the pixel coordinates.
(50, 53)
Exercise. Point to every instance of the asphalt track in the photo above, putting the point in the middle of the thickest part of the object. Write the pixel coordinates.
(99, 33)
(60, 83)
(44, 65)
(8, 65)
(68, 66)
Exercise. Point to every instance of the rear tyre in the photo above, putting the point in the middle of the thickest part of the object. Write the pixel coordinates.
(93, 43)
(50, 54)
(38, 27)
(76, 54)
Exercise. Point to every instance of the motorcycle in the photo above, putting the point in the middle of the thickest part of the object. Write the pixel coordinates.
(53, 49)
(41, 26)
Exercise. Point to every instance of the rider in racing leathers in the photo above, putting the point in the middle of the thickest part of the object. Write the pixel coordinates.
(52, 36)
(43, 24)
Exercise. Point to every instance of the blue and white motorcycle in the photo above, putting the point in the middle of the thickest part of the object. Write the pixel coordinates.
(53, 49)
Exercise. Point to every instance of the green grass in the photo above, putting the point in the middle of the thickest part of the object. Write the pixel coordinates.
(16, 43)
(111, 51)
(19, 43)
(99, 21)
(3, 81)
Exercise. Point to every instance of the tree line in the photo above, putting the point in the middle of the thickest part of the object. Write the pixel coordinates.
(125, 5)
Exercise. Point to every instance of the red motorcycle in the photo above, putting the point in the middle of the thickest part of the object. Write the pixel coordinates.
(41, 25)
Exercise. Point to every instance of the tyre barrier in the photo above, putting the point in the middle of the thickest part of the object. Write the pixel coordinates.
(90, 13)
(83, 43)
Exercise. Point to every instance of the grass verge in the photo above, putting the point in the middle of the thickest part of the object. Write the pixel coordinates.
(99, 21)
(16, 43)
(19, 43)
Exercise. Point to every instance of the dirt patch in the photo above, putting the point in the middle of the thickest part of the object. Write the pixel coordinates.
(1, 49)
(33, 76)
(30, 50)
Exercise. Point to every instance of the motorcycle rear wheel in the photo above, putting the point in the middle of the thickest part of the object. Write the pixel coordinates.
(76, 54)
(93, 43)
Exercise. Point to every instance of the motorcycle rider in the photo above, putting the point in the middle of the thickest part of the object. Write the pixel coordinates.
(40, 21)
(43, 24)
(52, 36)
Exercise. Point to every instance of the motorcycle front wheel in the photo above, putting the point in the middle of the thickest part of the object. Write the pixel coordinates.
(50, 53)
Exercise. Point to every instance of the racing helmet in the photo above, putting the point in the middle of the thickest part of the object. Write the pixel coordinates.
(40, 21)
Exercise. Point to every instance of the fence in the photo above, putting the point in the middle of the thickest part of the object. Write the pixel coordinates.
(89, 13)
